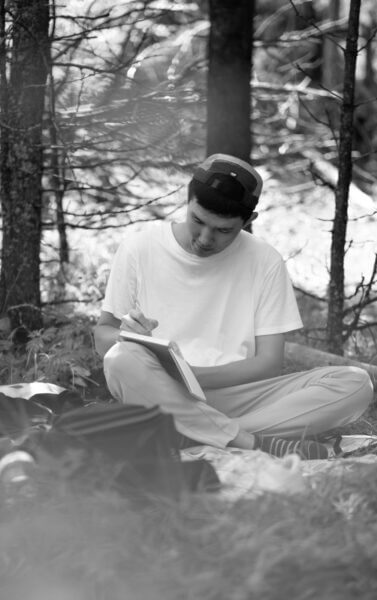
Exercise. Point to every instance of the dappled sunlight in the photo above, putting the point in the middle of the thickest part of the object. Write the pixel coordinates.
(299, 226)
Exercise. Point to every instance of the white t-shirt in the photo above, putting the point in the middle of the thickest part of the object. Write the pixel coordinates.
(214, 306)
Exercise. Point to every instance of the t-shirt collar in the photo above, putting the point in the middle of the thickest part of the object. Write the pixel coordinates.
(176, 247)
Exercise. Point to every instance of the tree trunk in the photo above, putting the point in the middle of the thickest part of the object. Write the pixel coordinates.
(57, 158)
(331, 54)
(22, 105)
(229, 73)
(57, 184)
(336, 288)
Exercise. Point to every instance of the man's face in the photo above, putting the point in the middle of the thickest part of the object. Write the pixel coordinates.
(207, 233)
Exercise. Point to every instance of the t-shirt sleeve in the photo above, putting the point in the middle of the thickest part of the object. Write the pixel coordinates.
(121, 289)
(276, 310)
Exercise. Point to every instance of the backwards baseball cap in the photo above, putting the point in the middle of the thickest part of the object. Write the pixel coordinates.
(211, 173)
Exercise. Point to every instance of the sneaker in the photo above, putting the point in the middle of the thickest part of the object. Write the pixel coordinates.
(306, 449)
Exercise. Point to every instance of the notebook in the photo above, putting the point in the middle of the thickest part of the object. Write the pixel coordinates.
(171, 358)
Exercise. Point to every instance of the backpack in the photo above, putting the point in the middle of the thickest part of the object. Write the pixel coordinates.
(132, 448)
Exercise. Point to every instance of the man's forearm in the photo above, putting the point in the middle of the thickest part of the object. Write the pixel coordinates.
(239, 372)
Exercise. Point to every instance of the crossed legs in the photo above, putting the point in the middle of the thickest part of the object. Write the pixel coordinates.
(294, 405)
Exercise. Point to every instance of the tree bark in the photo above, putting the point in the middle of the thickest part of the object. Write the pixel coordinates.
(21, 168)
(229, 73)
(339, 231)
(331, 55)
(57, 160)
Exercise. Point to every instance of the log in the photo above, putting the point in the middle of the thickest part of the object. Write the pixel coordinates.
(304, 357)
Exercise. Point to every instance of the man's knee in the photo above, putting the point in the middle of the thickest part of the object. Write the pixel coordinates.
(127, 367)
(124, 359)
(357, 389)
(362, 385)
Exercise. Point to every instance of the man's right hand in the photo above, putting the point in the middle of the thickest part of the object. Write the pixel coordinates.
(106, 333)
(137, 322)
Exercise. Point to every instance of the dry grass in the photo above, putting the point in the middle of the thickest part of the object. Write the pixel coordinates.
(70, 545)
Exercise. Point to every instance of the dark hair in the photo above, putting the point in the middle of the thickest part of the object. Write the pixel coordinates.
(224, 196)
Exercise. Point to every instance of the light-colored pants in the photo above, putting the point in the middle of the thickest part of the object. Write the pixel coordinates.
(292, 406)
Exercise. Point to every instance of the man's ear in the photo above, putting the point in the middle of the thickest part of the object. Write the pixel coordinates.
(252, 217)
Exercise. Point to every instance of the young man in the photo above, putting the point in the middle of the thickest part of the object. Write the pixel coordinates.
(225, 297)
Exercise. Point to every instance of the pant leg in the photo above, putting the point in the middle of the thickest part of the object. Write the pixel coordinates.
(135, 376)
(297, 404)
(293, 405)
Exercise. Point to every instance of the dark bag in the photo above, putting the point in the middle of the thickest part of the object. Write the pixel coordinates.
(142, 444)
(133, 448)
(134, 445)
